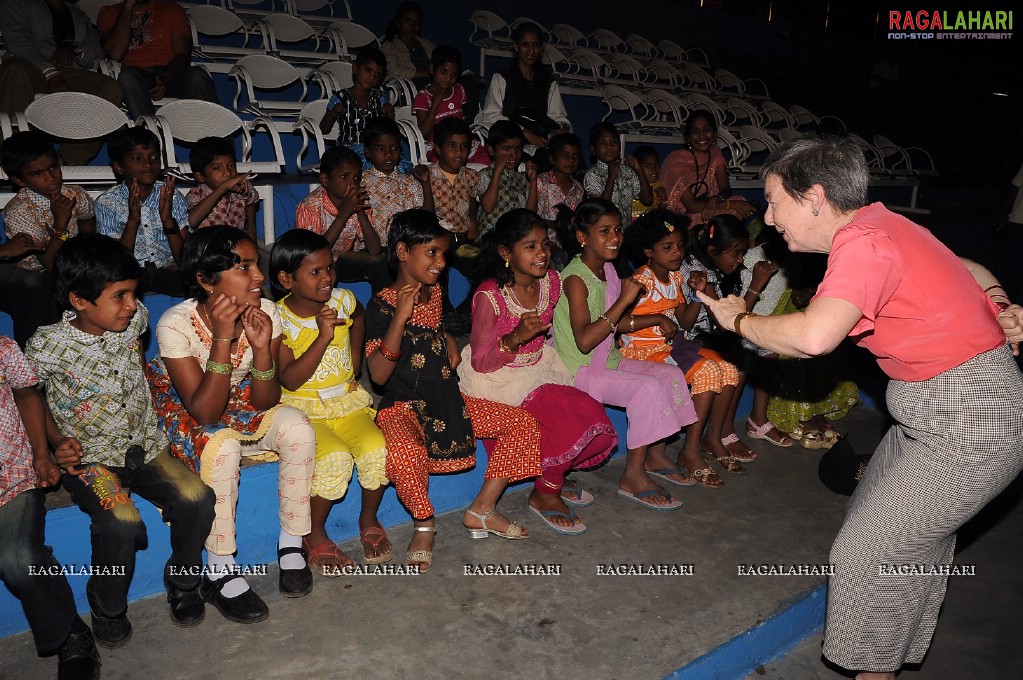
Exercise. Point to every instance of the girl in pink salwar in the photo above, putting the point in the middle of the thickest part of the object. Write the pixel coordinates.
(593, 309)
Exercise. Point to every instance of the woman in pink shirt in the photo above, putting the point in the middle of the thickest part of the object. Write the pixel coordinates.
(956, 395)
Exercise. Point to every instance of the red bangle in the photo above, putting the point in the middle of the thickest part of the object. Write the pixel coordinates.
(388, 354)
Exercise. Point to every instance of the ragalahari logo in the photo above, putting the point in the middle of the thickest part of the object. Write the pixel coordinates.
(950, 25)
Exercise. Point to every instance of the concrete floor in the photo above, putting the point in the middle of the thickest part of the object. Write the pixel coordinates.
(575, 625)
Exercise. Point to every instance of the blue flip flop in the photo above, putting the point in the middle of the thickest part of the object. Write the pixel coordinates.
(545, 515)
(672, 504)
(583, 498)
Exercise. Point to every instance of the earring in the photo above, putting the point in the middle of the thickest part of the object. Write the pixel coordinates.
(815, 212)
(506, 264)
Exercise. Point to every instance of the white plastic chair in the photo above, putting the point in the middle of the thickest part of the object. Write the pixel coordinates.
(267, 74)
(332, 77)
(699, 78)
(489, 31)
(740, 111)
(283, 34)
(217, 22)
(738, 153)
(776, 113)
(695, 101)
(589, 66)
(665, 73)
(620, 99)
(401, 92)
(608, 41)
(903, 157)
(788, 134)
(348, 37)
(672, 51)
(640, 46)
(630, 71)
(803, 117)
(668, 109)
(308, 126)
(567, 36)
(875, 161)
(310, 9)
(78, 116)
(189, 120)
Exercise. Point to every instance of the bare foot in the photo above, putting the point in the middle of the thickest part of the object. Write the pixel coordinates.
(547, 501)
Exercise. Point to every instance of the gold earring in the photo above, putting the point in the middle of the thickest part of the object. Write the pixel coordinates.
(815, 212)
(506, 264)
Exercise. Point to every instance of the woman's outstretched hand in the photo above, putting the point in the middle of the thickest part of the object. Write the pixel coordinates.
(724, 310)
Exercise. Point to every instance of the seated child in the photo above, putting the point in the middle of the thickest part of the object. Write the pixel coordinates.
(609, 178)
(339, 211)
(594, 307)
(649, 167)
(452, 184)
(25, 561)
(37, 222)
(216, 392)
(221, 195)
(558, 186)
(106, 437)
(658, 238)
(389, 190)
(353, 108)
(429, 426)
(444, 98)
(713, 266)
(508, 361)
(146, 215)
(502, 187)
(320, 360)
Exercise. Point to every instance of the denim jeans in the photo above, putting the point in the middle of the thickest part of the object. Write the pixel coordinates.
(104, 493)
(45, 597)
(192, 82)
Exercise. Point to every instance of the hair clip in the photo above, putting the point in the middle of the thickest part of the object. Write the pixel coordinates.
(669, 226)
(710, 232)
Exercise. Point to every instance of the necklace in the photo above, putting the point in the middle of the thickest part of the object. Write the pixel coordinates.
(700, 186)
(516, 307)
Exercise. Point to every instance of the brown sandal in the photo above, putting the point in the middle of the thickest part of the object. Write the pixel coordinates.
(730, 463)
(705, 477)
(325, 556)
(369, 543)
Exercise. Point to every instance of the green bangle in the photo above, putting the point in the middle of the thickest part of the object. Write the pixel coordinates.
(217, 367)
(265, 375)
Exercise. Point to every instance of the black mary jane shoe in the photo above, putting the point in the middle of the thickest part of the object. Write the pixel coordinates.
(294, 582)
(78, 658)
(111, 631)
(186, 606)
(245, 608)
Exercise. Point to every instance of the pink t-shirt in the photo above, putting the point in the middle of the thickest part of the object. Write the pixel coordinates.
(923, 313)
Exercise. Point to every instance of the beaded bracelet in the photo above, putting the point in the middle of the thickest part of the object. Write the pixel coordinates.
(217, 367)
(388, 354)
(264, 375)
(604, 317)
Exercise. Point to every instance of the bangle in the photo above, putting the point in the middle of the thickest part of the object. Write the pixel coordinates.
(738, 322)
(388, 354)
(604, 317)
(632, 323)
(502, 346)
(1000, 306)
(264, 375)
(758, 293)
(217, 367)
(997, 285)
(517, 339)
(231, 339)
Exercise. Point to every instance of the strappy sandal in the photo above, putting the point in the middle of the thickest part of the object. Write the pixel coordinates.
(325, 555)
(414, 557)
(703, 477)
(368, 544)
(513, 532)
(761, 432)
(734, 439)
(729, 463)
